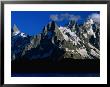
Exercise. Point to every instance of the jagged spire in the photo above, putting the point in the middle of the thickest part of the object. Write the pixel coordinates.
(15, 28)
(71, 24)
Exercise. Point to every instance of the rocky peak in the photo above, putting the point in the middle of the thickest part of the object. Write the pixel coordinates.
(53, 40)
(15, 30)
(71, 24)
(51, 26)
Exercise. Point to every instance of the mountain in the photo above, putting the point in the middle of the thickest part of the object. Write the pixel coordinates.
(58, 42)
(18, 42)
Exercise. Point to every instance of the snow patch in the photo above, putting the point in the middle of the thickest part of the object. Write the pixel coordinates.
(16, 33)
(83, 52)
(72, 36)
(63, 30)
(69, 50)
(90, 31)
(23, 35)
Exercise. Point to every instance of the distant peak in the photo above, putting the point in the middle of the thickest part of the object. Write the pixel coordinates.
(90, 20)
(15, 28)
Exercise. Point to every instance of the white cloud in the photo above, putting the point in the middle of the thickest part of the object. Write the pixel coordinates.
(95, 17)
(54, 17)
(73, 17)
(65, 16)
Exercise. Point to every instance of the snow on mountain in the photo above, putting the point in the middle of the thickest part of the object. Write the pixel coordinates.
(68, 35)
(82, 52)
(73, 41)
(18, 42)
(23, 35)
(15, 30)
(63, 30)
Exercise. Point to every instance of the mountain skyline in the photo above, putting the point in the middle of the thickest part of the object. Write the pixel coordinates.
(32, 22)
(70, 41)
(55, 42)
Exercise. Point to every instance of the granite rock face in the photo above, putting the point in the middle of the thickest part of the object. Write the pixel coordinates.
(57, 42)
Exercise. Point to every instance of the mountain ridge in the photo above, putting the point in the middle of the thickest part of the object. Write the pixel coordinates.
(58, 42)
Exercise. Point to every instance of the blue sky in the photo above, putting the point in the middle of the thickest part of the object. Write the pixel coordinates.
(32, 22)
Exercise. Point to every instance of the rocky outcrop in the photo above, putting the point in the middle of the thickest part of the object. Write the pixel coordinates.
(54, 42)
